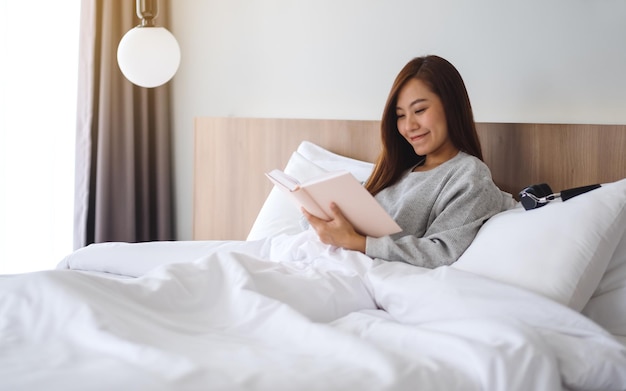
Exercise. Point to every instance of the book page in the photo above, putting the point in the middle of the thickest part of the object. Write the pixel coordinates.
(279, 178)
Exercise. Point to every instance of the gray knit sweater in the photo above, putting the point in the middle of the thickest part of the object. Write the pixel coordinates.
(440, 212)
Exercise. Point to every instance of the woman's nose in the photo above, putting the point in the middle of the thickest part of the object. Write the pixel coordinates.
(411, 122)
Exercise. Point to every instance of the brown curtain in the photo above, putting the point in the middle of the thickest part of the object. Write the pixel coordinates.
(123, 156)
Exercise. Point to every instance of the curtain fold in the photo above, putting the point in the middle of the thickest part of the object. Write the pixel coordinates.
(123, 155)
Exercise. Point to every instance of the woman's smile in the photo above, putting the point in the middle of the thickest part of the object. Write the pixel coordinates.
(418, 137)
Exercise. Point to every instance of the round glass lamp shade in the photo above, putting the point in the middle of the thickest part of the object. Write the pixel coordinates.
(148, 56)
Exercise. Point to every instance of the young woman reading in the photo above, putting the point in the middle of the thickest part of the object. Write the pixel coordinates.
(430, 176)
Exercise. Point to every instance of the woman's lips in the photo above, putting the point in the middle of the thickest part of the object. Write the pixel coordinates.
(417, 137)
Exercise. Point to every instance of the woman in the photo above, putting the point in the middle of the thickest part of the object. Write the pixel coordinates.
(430, 175)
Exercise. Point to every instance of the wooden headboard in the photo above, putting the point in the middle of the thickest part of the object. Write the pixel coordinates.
(231, 155)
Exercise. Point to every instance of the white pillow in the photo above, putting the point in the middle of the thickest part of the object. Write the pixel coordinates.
(279, 215)
(607, 306)
(560, 250)
(330, 161)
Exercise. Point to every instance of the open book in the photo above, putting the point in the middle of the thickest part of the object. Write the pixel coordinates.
(356, 203)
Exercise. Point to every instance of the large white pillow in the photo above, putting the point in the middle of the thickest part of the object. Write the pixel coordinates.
(279, 215)
(607, 305)
(560, 250)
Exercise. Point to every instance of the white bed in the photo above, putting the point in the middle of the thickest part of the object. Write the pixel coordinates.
(538, 301)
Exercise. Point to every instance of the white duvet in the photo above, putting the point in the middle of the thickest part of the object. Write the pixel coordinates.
(287, 314)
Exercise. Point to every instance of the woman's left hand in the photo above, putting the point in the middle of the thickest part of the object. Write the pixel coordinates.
(337, 231)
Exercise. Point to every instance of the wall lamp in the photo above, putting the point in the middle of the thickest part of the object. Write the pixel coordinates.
(148, 55)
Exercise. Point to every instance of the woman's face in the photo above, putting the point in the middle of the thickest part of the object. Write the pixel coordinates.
(422, 122)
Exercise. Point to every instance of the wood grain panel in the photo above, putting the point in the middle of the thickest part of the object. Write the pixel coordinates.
(564, 156)
(231, 155)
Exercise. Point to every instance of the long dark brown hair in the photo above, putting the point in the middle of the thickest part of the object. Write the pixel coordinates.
(397, 154)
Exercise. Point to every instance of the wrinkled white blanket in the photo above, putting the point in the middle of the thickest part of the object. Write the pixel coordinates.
(287, 314)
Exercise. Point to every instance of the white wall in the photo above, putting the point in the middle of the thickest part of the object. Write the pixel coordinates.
(558, 61)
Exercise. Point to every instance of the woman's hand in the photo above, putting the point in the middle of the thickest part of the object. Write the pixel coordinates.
(337, 231)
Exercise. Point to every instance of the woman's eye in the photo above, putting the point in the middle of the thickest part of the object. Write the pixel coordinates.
(399, 116)
(420, 111)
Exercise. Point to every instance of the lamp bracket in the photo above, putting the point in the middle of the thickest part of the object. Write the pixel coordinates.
(147, 11)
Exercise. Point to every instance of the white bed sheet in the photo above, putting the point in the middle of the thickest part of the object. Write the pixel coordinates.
(284, 314)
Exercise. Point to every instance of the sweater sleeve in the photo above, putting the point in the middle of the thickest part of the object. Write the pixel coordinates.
(464, 203)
